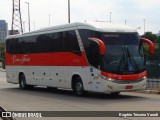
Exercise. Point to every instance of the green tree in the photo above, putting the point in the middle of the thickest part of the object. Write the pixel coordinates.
(2, 49)
(150, 36)
(146, 52)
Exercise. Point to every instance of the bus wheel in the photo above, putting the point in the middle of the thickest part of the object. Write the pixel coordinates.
(78, 87)
(22, 82)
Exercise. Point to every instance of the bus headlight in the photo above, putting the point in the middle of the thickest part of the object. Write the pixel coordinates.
(110, 79)
(144, 78)
(106, 78)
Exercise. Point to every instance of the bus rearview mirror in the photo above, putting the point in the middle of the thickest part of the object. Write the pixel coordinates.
(150, 43)
(100, 44)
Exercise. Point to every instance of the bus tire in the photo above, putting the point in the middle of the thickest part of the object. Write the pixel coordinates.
(78, 88)
(22, 82)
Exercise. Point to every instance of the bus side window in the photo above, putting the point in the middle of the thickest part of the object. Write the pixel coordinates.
(62, 44)
(67, 42)
(42, 43)
(21, 45)
(72, 42)
(91, 48)
(27, 44)
(54, 37)
(13, 47)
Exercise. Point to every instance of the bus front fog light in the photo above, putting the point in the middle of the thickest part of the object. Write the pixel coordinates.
(144, 78)
(110, 79)
(106, 78)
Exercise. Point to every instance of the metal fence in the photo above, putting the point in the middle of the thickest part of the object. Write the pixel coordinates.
(153, 84)
(0, 64)
(153, 74)
(153, 69)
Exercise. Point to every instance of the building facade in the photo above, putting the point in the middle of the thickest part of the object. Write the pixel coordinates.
(3, 30)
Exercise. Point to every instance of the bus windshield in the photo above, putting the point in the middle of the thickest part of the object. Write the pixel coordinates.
(124, 53)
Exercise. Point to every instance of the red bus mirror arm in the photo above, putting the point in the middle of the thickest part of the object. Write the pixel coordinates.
(150, 43)
(100, 43)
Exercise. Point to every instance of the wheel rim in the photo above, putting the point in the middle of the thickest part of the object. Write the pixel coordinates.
(22, 81)
(79, 88)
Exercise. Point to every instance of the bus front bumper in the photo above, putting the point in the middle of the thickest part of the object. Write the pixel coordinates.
(122, 86)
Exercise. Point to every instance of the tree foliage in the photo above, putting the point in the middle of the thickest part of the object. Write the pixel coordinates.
(150, 36)
(2, 49)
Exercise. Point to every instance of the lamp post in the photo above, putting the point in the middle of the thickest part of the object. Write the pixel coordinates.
(68, 11)
(28, 16)
(24, 26)
(144, 20)
(49, 20)
(110, 16)
(125, 22)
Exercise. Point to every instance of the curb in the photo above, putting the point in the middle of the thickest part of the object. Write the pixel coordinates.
(2, 70)
(149, 91)
(152, 91)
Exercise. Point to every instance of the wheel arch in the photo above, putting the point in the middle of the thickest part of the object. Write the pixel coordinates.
(73, 80)
(20, 73)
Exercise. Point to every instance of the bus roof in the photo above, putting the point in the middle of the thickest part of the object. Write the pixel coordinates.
(97, 26)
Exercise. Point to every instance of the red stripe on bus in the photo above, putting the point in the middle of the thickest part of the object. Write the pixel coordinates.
(125, 77)
(46, 59)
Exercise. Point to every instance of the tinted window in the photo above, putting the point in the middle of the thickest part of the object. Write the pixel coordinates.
(12, 46)
(67, 42)
(71, 41)
(52, 42)
(120, 38)
(91, 48)
(27, 44)
(43, 43)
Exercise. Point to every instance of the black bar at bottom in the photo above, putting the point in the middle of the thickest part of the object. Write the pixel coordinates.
(85, 113)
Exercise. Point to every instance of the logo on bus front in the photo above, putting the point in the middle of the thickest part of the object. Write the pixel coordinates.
(21, 60)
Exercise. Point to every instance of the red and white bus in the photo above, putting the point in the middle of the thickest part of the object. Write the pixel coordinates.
(95, 56)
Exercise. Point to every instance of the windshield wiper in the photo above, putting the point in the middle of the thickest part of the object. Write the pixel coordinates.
(140, 49)
(132, 60)
(123, 59)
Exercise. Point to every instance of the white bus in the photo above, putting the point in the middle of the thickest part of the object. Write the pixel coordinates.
(91, 56)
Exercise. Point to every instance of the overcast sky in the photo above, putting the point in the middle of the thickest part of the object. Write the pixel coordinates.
(133, 11)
